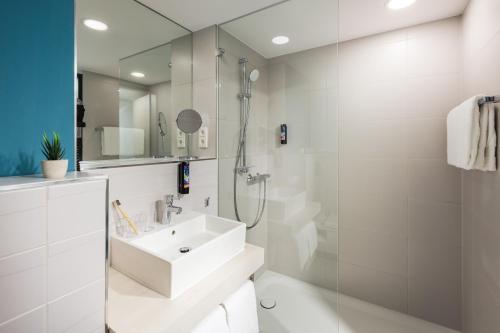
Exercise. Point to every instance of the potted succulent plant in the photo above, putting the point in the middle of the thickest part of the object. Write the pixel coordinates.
(54, 167)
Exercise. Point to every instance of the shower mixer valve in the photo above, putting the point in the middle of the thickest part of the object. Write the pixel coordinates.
(251, 180)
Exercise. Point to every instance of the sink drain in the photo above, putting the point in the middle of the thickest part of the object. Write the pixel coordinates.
(184, 249)
(268, 303)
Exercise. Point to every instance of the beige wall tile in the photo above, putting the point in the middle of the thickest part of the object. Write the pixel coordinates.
(380, 288)
(435, 303)
(374, 213)
(425, 138)
(397, 192)
(434, 180)
(380, 251)
(439, 222)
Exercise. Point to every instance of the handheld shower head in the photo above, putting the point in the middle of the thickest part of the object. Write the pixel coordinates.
(254, 75)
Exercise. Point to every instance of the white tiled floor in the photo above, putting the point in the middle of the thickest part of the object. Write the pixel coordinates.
(302, 308)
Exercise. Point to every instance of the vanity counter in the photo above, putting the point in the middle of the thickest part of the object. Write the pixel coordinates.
(133, 308)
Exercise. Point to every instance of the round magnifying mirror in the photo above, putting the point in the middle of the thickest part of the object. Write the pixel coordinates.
(189, 121)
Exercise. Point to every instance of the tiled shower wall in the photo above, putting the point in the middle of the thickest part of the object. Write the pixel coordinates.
(399, 213)
(481, 191)
(229, 126)
(399, 200)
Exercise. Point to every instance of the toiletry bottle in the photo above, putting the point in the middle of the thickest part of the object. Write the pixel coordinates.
(283, 134)
(183, 178)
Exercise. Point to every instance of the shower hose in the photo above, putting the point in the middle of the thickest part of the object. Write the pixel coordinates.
(241, 143)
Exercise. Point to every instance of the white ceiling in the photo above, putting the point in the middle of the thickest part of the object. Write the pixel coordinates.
(308, 23)
(132, 29)
(312, 23)
(154, 64)
(359, 18)
(199, 14)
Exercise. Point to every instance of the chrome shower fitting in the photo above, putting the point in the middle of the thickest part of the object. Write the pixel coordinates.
(240, 167)
(252, 180)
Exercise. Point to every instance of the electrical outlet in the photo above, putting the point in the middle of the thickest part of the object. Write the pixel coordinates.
(203, 137)
(181, 139)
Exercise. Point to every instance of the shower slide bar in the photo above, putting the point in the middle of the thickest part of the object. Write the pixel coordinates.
(489, 99)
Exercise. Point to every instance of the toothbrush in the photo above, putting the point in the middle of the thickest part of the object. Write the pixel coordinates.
(131, 223)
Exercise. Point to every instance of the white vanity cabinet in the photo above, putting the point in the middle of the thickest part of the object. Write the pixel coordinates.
(53, 254)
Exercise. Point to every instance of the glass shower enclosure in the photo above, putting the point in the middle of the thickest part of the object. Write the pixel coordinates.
(278, 159)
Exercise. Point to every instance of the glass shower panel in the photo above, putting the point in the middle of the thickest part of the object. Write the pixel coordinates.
(302, 208)
(286, 192)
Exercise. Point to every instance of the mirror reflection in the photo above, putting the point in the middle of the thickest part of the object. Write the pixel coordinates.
(134, 77)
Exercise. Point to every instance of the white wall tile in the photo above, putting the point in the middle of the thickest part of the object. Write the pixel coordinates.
(138, 187)
(34, 321)
(204, 60)
(74, 263)
(81, 311)
(23, 230)
(24, 272)
(76, 209)
(32, 198)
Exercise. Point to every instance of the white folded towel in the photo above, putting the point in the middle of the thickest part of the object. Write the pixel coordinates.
(486, 159)
(491, 145)
(241, 310)
(463, 134)
(306, 242)
(131, 141)
(215, 322)
(110, 141)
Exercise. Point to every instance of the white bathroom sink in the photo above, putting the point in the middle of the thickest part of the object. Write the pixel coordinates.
(156, 260)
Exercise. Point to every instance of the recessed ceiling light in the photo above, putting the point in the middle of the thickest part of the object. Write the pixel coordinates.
(399, 4)
(137, 74)
(280, 40)
(96, 25)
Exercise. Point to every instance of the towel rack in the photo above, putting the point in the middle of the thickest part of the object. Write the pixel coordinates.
(489, 99)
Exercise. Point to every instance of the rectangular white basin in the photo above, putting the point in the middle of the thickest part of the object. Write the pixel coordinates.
(156, 260)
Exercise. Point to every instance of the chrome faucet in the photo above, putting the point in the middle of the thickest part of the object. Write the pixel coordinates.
(170, 208)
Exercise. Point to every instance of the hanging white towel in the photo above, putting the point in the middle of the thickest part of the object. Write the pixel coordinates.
(241, 310)
(483, 137)
(463, 133)
(486, 159)
(306, 242)
(215, 322)
(491, 145)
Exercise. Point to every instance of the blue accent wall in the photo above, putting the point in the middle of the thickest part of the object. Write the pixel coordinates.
(36, 81)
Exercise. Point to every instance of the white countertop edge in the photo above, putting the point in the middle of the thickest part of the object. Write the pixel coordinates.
(134, 308)
(34, 181)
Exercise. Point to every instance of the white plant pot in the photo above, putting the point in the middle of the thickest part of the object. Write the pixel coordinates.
(54, 169)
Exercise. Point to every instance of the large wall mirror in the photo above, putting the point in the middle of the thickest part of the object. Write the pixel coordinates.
(134, 78)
